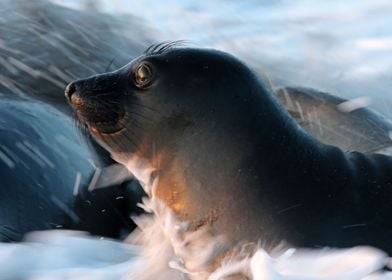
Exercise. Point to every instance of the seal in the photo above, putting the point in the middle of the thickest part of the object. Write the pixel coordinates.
(227, 154)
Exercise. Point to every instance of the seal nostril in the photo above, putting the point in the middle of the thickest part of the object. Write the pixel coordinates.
(69, 90)
(76, 100)
(72, 93)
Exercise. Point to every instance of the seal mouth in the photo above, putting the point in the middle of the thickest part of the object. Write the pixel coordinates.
(98, 124)
(100, 117)
(107, 127)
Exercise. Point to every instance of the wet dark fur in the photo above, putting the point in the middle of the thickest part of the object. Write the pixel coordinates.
(230, 148)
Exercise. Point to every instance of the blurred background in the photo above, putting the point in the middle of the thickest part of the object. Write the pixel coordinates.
(342, 47)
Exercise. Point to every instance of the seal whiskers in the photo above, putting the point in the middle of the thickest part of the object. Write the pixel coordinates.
(230, 157)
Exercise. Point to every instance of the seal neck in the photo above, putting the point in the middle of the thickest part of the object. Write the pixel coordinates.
(238, 160)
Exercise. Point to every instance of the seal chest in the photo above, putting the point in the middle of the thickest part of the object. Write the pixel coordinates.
(229, 157)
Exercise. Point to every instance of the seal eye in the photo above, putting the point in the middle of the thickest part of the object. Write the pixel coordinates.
(143, 75)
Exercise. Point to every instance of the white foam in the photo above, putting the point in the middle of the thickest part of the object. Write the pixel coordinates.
(164, 248)
(354, 104)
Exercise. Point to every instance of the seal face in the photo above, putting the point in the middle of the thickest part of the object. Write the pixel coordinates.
(229, 156)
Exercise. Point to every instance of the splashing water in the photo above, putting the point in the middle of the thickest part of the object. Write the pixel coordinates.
(164, 248)
(342, 47)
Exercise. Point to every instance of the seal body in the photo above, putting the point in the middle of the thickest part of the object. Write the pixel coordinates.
(229, 157)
